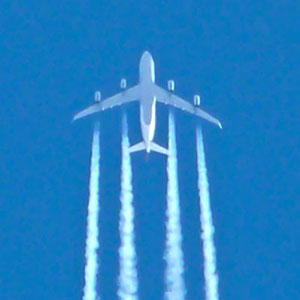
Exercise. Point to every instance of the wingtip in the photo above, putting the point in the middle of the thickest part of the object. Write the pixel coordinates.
(75, 118)
(220, 125)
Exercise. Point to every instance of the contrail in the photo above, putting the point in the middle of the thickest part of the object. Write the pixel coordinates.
(175, 286)
(128, 282)
(209, 250)
(92, 244)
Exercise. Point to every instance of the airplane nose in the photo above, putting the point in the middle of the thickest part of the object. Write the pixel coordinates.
(146, 55)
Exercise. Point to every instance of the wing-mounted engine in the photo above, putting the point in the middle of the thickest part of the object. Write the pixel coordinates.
(171, 85)
(197, 100)
(97, 96)
(123, 84)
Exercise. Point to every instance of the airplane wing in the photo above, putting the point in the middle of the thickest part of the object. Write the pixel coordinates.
(168, 98)
(125, 96)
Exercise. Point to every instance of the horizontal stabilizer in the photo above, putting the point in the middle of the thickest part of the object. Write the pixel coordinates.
(137, 147)
(156, 148)
(153, 147)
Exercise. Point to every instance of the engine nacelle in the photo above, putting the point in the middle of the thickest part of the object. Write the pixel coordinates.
(171, 85)
(197, 100)
(123, 84)
(98, 96)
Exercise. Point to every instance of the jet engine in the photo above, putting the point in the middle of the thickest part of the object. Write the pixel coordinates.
(97, 96)
(123, 84)
(171, 85)
(197, 100)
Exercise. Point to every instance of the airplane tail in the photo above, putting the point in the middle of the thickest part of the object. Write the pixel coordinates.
(137, 147)
(153, 147)
(159, 149)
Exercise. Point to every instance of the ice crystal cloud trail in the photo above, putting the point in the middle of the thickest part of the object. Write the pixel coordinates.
(92, 244)
(175, 286)
(209, 251)
(128, 282)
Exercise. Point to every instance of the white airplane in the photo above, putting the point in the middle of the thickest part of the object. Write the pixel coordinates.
(147, 93)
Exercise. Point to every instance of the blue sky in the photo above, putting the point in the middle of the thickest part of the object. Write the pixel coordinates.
(241, 56)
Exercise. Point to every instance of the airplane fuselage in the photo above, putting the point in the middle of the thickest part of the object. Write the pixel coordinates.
(147, 99)
(147, 93)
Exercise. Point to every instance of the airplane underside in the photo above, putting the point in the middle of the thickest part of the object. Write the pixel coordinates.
(148, 93)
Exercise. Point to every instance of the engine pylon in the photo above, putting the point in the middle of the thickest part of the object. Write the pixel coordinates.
(97, 96)
(197, 100)
(171, 85)
(123, 84)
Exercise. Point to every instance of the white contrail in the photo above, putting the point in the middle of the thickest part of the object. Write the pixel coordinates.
(209, 251)
(128, 282)
(175, 286)
(92, 244)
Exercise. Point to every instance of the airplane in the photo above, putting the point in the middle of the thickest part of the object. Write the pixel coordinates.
(147, 92)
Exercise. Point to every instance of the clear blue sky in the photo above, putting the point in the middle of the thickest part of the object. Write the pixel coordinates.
(241, 56)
